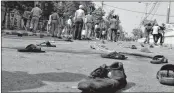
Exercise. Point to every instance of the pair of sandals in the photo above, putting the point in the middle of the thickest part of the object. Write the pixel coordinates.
(159, 59)
(114, 55)
(36, 48)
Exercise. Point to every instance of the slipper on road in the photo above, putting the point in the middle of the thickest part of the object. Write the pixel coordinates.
(46, 44)
(31, 48)
(166, 75)
(114, 55)
(159, 59)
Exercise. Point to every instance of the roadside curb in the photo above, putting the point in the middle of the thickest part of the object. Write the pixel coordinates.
(24, 33)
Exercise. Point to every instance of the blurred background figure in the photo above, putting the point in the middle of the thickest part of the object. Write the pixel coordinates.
(36, 14)
(89, 22)
(26, 17)
(79, 19)
(148, 30)
(54, 23)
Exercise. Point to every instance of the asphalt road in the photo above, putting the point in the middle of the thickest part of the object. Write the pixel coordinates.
(61, 68)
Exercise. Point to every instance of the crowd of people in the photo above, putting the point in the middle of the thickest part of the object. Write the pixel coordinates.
(157, 32)
(81, 26)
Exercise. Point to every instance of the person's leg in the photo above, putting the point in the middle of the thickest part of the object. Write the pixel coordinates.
(76, 30)
(115, 35)
(25, 22)
(56, 28)
(31, 24)
(80, 29)
(52, 28)
(161, 38)
(156, 38)
(36, 24)
(110, 34)
(86, 28)
(148, 38)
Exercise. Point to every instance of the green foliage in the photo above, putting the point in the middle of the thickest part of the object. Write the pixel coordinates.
(111, 13)
(138, 33)
(98, 14)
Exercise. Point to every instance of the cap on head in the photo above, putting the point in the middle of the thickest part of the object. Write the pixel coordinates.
(81, 7)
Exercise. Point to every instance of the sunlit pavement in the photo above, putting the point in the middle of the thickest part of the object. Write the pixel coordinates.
(74, 59)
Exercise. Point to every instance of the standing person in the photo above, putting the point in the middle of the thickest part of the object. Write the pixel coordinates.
(155, 33)
(36, 14)
(103, 30)
(79, 19)
(69, 26)
(148, 30)
(161, 33)
(60, 26)
(88, 24)
(113, 28)
(54, 23)
(26, 17)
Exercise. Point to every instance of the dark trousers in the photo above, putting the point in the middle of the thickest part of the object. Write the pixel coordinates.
(114, 35)
(25, 21)
(161, 38)
(155, 38)
(78, 28)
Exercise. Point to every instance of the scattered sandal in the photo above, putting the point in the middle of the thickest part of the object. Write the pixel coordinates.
(166, 75)
(133, 47)
(159, 59)
(114, 55)
(31, 48)
(46, 44)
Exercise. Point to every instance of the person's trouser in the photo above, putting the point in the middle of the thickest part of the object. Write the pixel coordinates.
(161, 38)
(60, 28)
(69, 30)
(155, 38)
(109, 35)
(25, 21)
(147, 33)
(54, 26)
(78, 28)
(34, 23)
(88, 29)
(114, 35)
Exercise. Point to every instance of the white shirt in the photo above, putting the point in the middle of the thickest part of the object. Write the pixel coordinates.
(96, 26)
(155, 29)
(69, 22)
(80, 13)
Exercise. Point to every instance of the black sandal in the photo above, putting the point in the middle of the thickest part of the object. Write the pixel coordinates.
(46, 44)
(31, 48)
(159, 59)
(114, 55)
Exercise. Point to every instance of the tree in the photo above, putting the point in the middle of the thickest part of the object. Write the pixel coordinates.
(98, 14)
(137, 32)
(111, 13)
